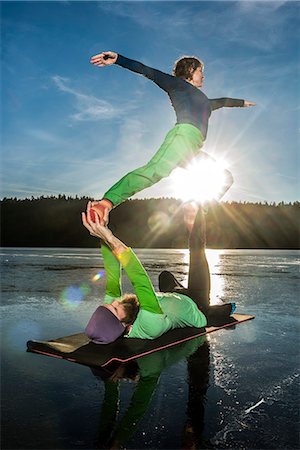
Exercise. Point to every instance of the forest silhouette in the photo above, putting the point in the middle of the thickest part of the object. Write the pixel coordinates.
(148, 223)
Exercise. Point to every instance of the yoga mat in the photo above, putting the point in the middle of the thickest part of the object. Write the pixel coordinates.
(77, 347)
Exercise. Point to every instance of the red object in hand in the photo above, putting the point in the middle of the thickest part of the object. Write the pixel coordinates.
(99, 210)
(93, 215)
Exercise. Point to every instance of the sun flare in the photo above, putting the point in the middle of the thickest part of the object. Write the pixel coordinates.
(202, 180)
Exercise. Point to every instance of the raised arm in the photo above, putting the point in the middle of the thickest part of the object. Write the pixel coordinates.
(112, 269)
(163, 80)
(217, 103)
(129, 261)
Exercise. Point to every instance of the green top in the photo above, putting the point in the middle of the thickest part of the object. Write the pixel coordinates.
(158, 312)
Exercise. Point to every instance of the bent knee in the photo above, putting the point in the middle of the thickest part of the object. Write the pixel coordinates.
(165, 275)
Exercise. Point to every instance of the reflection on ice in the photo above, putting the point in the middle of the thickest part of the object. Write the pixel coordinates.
(217, 280)
(258, 360)
(146, 373)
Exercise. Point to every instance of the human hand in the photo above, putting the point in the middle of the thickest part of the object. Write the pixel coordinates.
(118, 374)
(104, 59)
(98, 208)
(95, 227)
(247, 103)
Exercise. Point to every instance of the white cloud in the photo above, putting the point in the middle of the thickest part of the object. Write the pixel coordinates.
(153, 14)
(133, 11)
(44, 136)
(258, 24)
(251, 6)
(89, 107)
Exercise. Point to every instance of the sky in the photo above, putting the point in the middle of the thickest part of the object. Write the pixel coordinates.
(71, 128)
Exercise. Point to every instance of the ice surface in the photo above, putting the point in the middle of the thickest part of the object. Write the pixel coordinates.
(248, 396)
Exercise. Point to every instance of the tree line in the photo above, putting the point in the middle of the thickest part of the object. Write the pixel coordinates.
(153, 223)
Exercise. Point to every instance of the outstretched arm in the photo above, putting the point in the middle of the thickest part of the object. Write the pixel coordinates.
(129, 261)
(217, 103)
(137, 181)
(136, 410)
(163, 80)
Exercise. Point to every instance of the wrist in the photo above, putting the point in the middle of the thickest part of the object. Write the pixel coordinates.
(108, 237)
(107, 203)
(115, 244)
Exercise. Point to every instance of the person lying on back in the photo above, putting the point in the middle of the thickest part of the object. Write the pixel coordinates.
(146, 314)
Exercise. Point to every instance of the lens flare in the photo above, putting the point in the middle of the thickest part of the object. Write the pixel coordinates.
(98, 276)
(73, 296)
(202, 180)
(158, 221)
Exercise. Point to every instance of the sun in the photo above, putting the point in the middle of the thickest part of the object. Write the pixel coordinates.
(202, 180)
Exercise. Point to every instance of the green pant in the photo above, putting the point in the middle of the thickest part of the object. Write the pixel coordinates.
(181, 144)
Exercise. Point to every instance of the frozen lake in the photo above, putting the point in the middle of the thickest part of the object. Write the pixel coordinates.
(239, 388)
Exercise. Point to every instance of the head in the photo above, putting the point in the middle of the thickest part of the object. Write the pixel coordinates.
(189, 68)
(109, 321)
(116, 371)
(125, 308)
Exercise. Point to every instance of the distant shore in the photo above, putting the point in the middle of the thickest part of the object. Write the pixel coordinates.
(149, 223)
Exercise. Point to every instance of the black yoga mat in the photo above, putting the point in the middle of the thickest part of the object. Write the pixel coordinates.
(77, 348)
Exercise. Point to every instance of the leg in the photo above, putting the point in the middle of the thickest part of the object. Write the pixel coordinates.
(199, 276)
(167, 282)
(198, 382)
(181, 144)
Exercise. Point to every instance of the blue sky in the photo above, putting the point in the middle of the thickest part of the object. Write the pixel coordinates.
(74, 129)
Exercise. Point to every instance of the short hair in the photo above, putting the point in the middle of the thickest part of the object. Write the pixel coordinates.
(131, 307)
(186, 66)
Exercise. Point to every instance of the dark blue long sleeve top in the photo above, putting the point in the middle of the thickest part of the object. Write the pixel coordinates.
(190, 104)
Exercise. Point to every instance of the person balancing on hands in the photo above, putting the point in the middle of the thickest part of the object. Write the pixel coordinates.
(182, 142)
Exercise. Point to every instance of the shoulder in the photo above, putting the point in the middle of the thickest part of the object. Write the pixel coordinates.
(149, 325)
